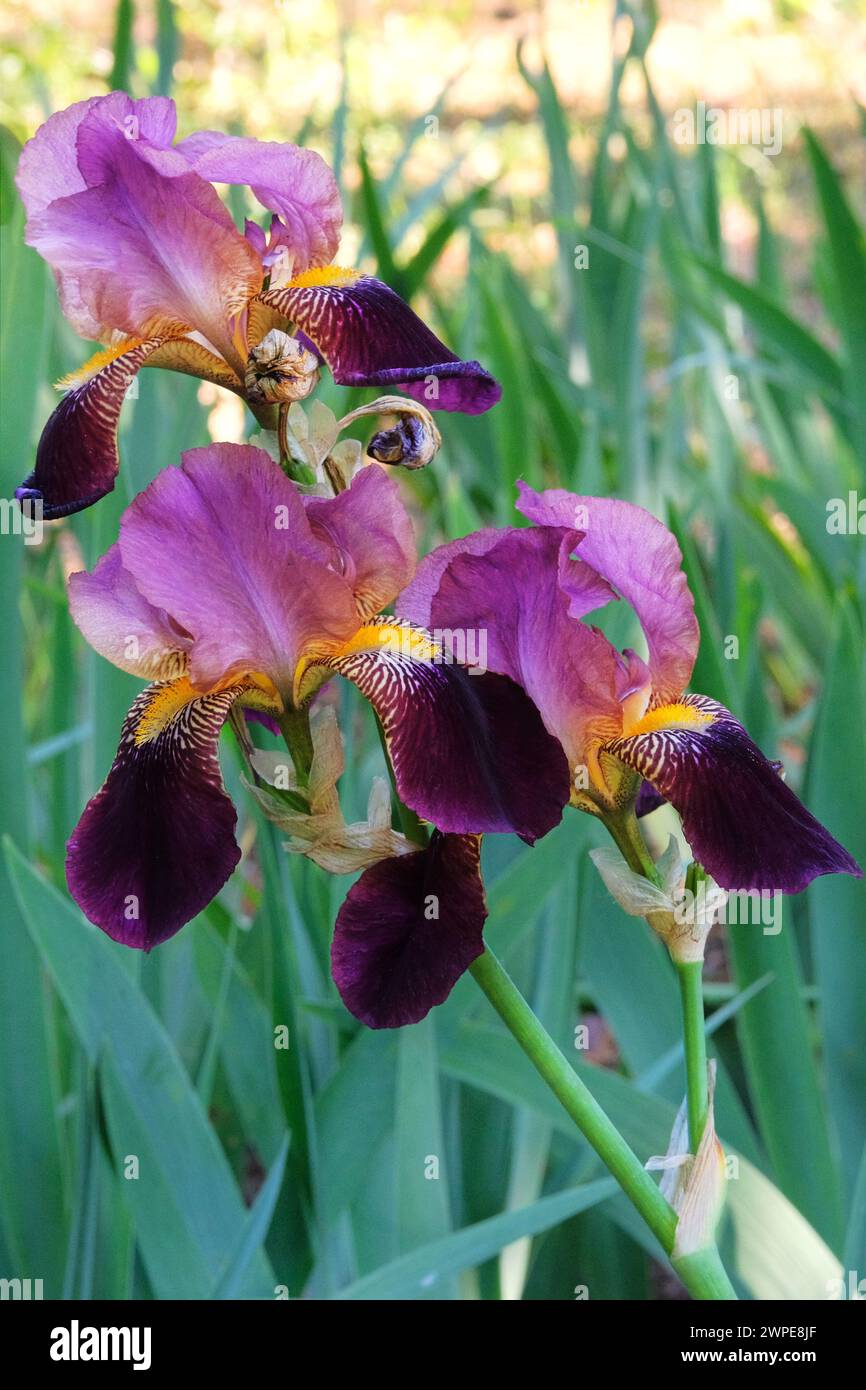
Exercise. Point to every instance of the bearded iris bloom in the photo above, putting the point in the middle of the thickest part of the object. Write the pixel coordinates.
(229, 591)
(148, 261)
(618, 717)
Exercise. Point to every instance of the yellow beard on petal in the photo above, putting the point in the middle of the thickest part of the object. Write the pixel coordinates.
(316, 276)
(676, 716)
(163, 706)
(388, 635)
(103, 358)
(168, 700)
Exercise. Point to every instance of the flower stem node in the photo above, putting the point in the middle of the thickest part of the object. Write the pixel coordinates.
(680, 904)
(694, 1184)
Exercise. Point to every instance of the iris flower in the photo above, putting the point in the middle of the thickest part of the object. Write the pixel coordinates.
(149, 262)
(229, 590)
(620, 718)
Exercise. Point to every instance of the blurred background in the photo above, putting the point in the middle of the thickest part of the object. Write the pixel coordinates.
(675, 320)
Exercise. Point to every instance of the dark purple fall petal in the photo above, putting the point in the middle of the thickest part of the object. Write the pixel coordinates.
(369, 337)
(469, 751)
(745, 826)
(76, 460)
(156, 843)
(648, 800)
(408, 930)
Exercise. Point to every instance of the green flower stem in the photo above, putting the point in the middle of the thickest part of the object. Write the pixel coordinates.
(702, 1274)
(576, 1097)
(691, 993)
(625, 832)
(295, 729)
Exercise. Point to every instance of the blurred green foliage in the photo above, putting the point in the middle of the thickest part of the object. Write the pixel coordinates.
(657, 373)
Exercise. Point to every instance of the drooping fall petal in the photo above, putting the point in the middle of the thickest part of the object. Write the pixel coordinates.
(76, 459)
(369, 337)
(745, 826)
(507, 586)
(469, 751)
(408, 930)
(156, 843)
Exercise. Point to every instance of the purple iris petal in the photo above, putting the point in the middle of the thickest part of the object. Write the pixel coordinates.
(469, 751)
(224, 545)
(508, 586)
(156, 843)
(640, 557)
(295, 183)
(76, 459)
(144, 254)
(48, 167)
(122, 626)
(369, 337)
(371, 538)
(408, 930)
(744, 825)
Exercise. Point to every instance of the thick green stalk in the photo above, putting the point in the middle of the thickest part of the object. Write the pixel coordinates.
(576, 1097)
(702, 1274)
(295, 729)
(694, 1038)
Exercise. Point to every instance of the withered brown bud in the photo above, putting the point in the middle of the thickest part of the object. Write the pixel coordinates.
(279, 369)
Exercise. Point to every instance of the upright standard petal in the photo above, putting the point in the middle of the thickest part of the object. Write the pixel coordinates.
(49, 165)
(142, 253)
(507, 586)
(469, 752)
(369, 337)
(295, 183)
(225, 546)
(122, 626)
(744, 825)
(641, 559)
(156, 843)
(371, 536)
(408, 930)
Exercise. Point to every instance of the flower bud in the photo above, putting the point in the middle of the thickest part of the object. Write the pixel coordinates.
(279, 369)
(409, 436)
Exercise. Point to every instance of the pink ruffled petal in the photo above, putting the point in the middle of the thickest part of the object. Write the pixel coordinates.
(641, 559)
(224, 545)
(295, 183)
